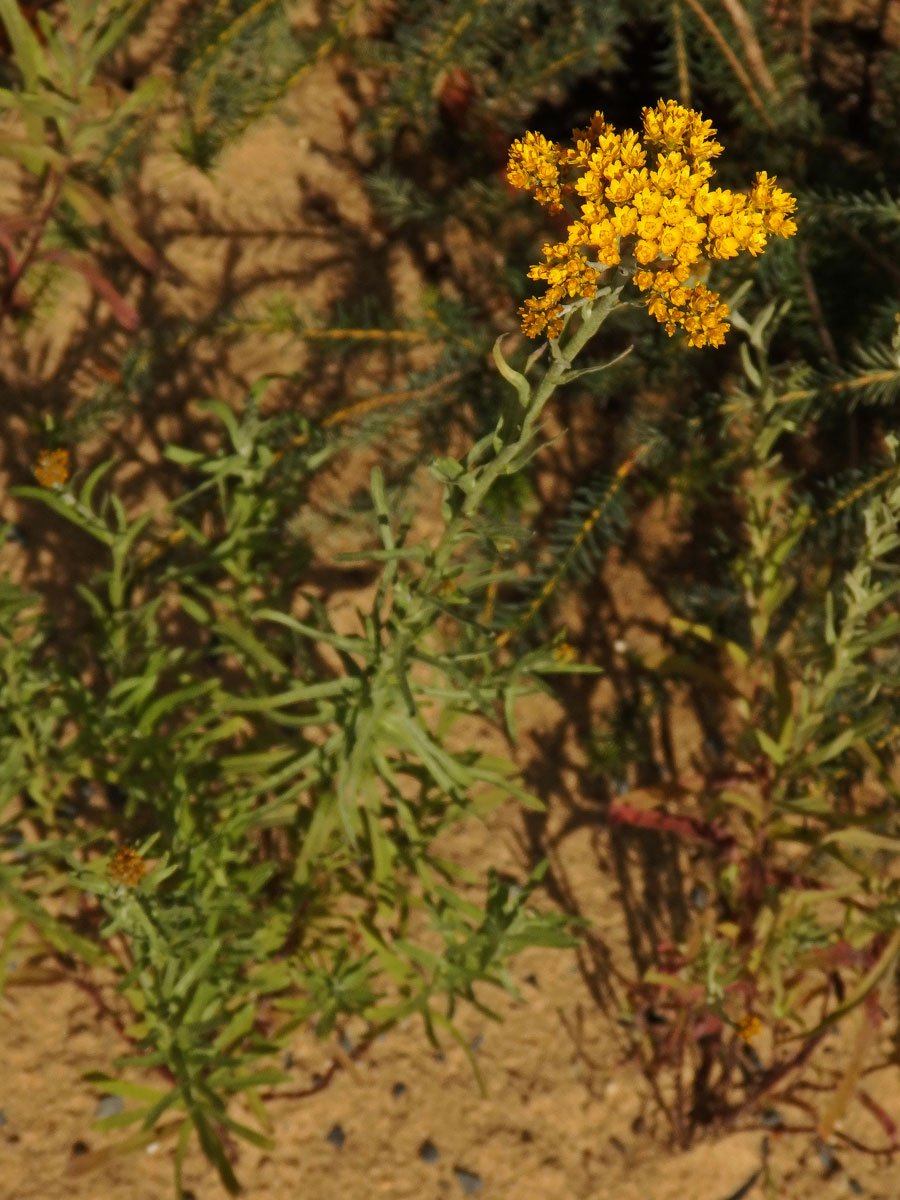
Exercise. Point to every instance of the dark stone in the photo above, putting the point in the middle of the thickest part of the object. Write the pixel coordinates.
(398, 1090)
(109, 1106)
(336, 1136)
(468, 1180)
(428, 1151)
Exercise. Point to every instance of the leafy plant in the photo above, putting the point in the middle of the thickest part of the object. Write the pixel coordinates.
(279, 783)
(798, 907)
(67, 114)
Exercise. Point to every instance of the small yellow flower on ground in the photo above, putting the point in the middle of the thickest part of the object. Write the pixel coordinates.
(126, 866)
(52, 468)
(749, 1027)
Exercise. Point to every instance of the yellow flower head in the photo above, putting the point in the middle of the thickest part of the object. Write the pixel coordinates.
(749, 1028)
(126, 867)
(678, 128)
(659, 218)
(52, 468)
(534, 164)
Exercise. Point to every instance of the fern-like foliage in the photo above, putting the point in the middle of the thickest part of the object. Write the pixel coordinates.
(872, 377)
(576, 547)
(235, 59)
(483, 65)
(862, 209)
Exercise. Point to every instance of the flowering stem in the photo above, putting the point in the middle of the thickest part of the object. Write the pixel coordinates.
(512, 456)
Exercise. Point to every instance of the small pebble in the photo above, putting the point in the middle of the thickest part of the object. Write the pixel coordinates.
(79, 1148)
(468, 1180)
(428, 1151)
(532, 979)
(345, 1044)
(398, 1090)
(335, 1135)
(827, 1158)
(109, 1106)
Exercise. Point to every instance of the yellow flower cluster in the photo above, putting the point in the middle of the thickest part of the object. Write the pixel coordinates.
(52, 468)
(749, 1028)
(661, 221)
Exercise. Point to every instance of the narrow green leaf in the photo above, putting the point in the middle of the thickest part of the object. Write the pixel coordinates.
(187, 458)
(123, 1087)
(64, 505)
(458, 1037)
(227, 417)
(171, 700)
(90, 484)
(249, 1135)
(858, 993)
(351, 645)
(770, 747)
(862, 839)
(518, 381)
(29, 57)
(36, 104)
(251, 645)
(109, 39)
(240, 1024)
(214, 1151)
(96, 209)
(33, 156)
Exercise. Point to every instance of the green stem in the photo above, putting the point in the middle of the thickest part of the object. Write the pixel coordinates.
(593, 314)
